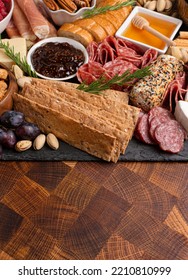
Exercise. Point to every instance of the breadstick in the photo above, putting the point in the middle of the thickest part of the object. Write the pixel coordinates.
(183, 35)
(181, 42)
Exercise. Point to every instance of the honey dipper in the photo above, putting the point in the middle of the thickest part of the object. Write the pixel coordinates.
(142, 23)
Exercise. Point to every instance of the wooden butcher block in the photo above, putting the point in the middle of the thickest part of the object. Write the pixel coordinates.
(61, 210)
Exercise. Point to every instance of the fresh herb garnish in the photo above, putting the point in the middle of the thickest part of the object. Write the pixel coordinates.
(21, 62)
(102, 83)
(101, 10)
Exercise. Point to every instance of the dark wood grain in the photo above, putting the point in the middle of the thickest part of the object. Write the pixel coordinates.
(93, 210)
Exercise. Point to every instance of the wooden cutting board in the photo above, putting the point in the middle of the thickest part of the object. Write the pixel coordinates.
(92, 210)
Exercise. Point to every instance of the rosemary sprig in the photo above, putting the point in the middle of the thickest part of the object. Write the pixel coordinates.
(102, 83)
(101, 10)
(21, 62)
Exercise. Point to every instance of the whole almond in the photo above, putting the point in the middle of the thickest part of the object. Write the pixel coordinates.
(52, 141)
(23, 145)
(161, 4)
(39, 142)
(176, 52)
(184, 53)
(18, 73)
(168, 5)
(152, 5)
(22, 80)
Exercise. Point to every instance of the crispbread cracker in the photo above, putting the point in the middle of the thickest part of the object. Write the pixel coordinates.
(83, 111)
(67, 129)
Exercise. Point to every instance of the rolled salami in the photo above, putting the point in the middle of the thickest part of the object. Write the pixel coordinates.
(150, 91)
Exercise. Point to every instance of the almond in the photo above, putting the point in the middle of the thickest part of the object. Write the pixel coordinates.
(18, 73)
(152, 5)
(21, 81)
(23, 145)
(52, 141)
(39, 142)
(161, 4)
(168, 5)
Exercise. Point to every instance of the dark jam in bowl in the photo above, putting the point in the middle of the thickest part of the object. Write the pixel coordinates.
(57, 60)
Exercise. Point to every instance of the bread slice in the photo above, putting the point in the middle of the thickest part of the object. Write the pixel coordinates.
(96, 30)
(75, 32)
(75, 133)
(112, 19)
(107, 25)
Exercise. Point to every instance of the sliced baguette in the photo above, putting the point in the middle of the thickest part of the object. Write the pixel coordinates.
(107, 26)
(75, 32)
(96, 30)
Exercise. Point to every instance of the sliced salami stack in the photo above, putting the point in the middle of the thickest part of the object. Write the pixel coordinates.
(159, 127)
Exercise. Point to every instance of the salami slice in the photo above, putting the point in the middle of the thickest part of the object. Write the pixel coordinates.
(142, 131)
(169, 137)
(158, 111)
(155, 121)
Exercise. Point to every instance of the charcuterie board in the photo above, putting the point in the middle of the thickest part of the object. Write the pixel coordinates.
(136, 151)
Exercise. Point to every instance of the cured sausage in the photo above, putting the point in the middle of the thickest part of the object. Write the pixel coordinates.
(169, 137)
(115, 56)
(142, 130)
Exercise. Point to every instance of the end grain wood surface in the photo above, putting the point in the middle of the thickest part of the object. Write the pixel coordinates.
(92, 210)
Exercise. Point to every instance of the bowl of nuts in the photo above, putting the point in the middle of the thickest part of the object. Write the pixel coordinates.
(8, 86)
(62, 11)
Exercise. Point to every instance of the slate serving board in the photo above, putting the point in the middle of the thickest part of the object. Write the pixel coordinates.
(136, 151)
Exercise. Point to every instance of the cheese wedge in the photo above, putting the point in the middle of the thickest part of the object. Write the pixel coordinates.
(19, 45)
(181, 113)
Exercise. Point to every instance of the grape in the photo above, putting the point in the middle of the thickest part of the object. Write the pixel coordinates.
(12, 119)
(9, 140)
(1, 150)
(3, 135)
(27, 131)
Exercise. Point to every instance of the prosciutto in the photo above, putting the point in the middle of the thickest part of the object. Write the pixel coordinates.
(22, 23)
(113, 56)
(41, 27)
(12, 30)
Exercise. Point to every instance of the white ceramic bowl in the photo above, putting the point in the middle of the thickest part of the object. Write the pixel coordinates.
(72, 42)
(4, 22)
(61, 16)
(154, 14)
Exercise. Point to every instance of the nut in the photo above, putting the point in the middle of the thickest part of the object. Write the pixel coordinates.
(168, 5)
(23, 145)
(176, 52)
(161, 4)
(21, 81)
(18, 73)
(52, 141)
(39, 142)
(152, 5)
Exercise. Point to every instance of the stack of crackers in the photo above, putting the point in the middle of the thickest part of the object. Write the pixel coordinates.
(101, 125)
(180, 47)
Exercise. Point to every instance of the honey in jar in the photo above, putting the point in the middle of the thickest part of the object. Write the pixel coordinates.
(143, 36)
